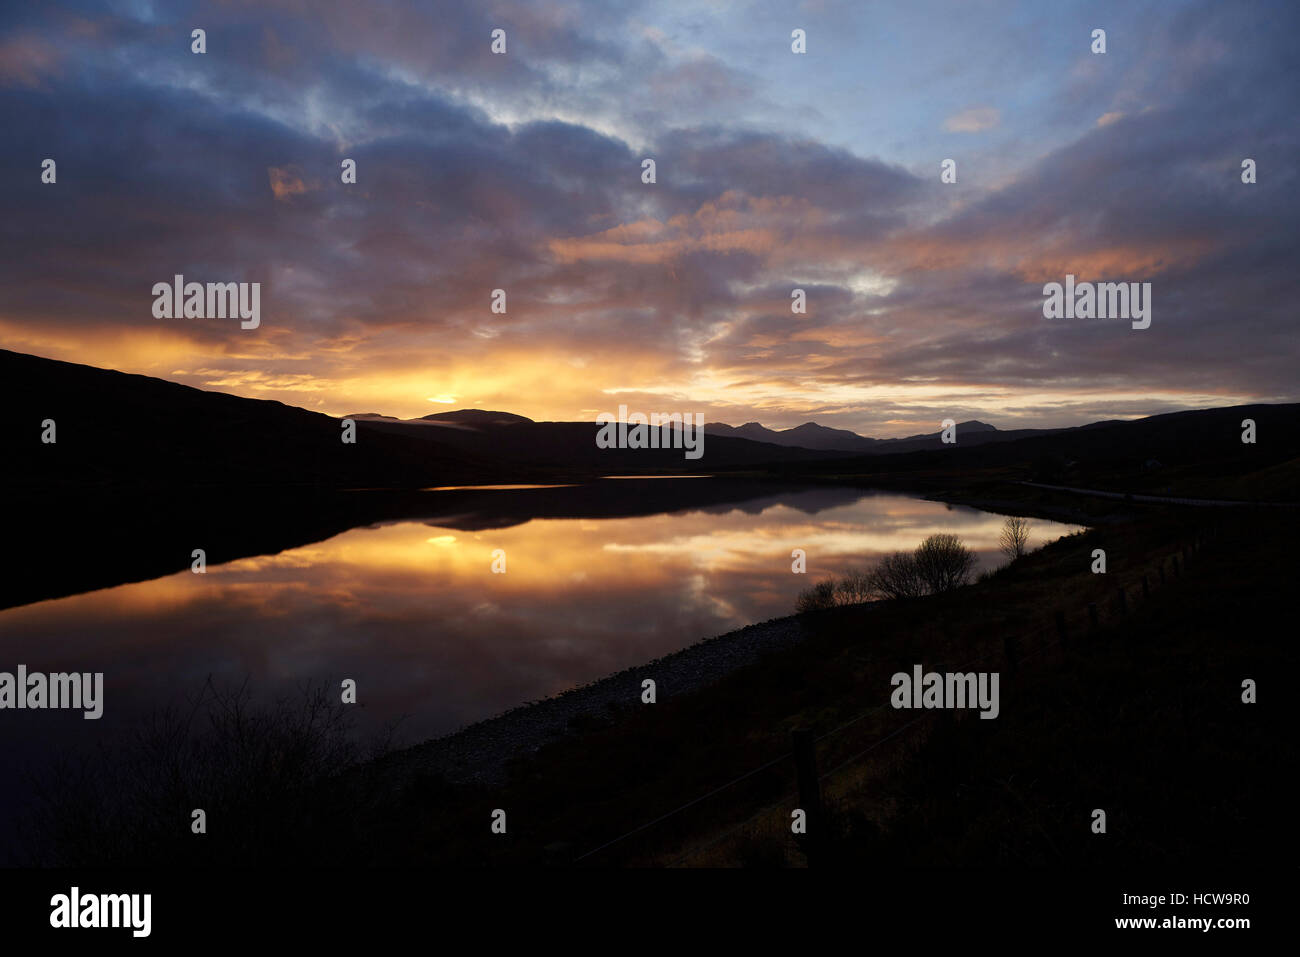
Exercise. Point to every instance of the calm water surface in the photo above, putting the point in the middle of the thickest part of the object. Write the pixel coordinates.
(412, 611)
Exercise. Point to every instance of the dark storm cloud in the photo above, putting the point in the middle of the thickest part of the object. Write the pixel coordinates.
(523, 172)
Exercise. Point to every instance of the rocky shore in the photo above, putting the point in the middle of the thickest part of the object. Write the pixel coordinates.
(481, 752)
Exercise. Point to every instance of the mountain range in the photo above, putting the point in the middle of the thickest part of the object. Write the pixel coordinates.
(121, 431)
(810, 435)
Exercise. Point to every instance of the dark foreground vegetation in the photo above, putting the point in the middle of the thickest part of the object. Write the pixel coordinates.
(1139, 714)
(1119, 691)
(939, 564)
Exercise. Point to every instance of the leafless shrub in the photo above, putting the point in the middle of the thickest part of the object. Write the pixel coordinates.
(1014, 540)
(943, 563)
(940, 563)
(854, 588)
(898, 576)
(819, 596)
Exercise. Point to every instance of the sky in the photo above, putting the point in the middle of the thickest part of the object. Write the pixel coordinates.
(775, 171)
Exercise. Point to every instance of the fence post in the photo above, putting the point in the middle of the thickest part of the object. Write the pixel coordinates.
(810, 792)
(946, 722)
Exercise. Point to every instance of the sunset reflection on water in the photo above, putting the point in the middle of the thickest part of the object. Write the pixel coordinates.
(413, 612)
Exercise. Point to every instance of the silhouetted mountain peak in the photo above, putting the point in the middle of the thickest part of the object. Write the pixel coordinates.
(810, 435)
(814, 428)
(476, 417)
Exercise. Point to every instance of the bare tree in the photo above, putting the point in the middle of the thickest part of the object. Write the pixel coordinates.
(1014, 540)
(943, 563)
(854, 588)
(820, 595)
(940, 563)
(897, 576)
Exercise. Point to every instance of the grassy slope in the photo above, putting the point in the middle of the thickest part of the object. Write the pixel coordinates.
(1143, 720)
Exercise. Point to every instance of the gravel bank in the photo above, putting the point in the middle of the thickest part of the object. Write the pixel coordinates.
(480, 753)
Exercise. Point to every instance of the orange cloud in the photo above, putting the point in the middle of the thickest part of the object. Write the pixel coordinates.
(974, 120)
(285, 182)
(27, 61)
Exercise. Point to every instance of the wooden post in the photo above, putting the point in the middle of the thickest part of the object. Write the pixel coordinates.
(810, 792)
(1092, 617)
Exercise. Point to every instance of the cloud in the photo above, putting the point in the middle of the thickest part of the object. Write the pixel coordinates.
(285, 182)
(973, 120)
(523, 173)
(28, 61)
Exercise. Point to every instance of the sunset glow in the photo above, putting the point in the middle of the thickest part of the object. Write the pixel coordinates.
(479, 173)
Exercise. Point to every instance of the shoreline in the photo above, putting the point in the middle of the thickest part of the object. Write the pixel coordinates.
(1051, 512)
(481, 753)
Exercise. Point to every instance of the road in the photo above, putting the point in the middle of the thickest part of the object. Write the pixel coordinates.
(1161, 499)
